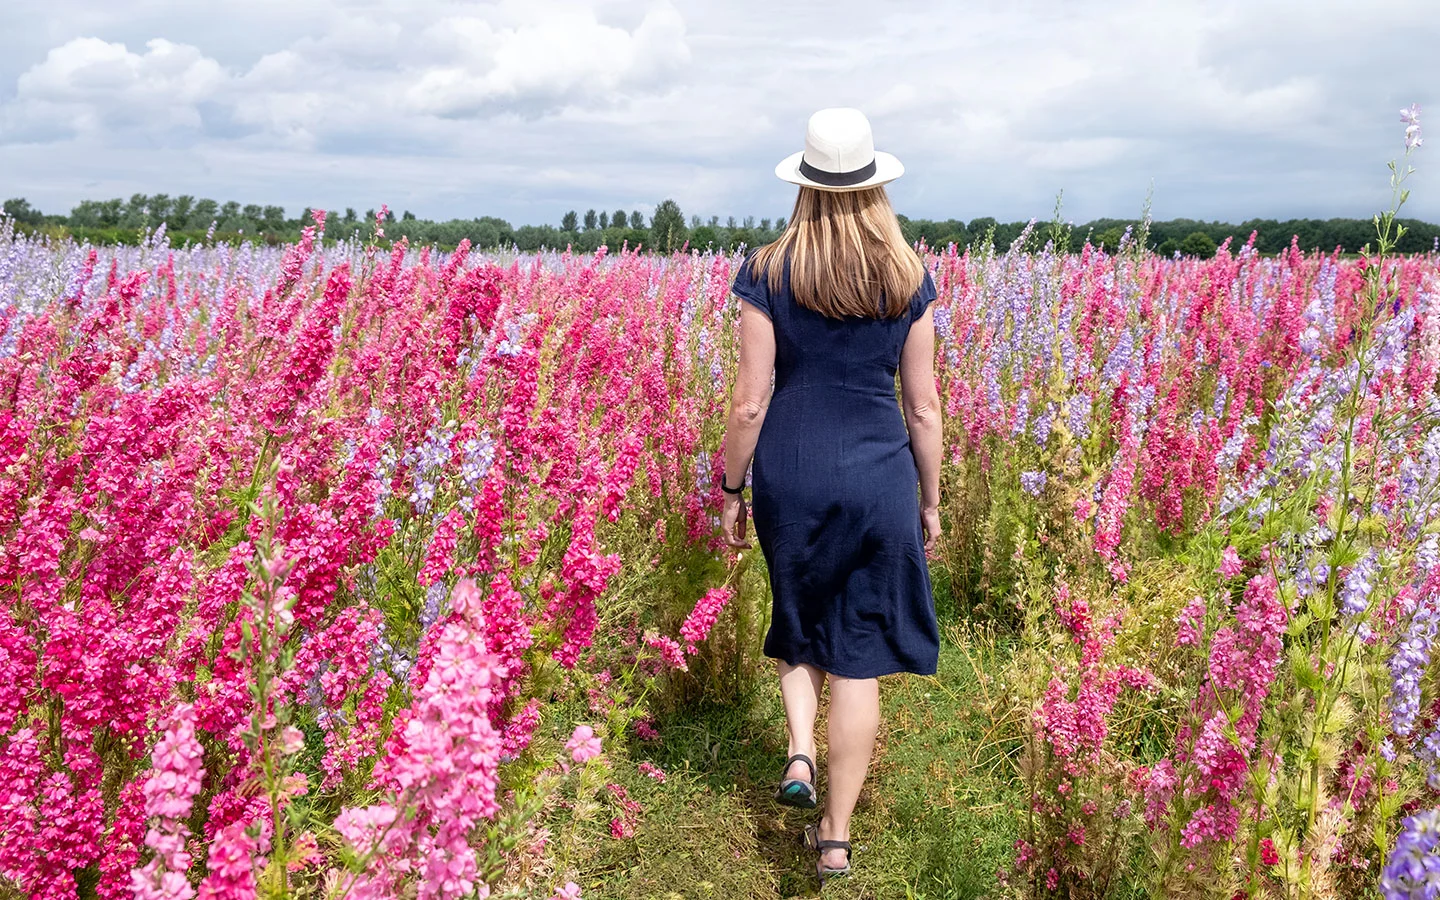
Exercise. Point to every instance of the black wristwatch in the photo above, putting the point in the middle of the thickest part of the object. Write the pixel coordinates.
(729, 490)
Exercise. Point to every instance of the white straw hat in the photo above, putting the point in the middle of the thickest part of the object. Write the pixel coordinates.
(839, 154)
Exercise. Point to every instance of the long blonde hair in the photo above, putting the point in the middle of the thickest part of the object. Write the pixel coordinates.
(846, 253)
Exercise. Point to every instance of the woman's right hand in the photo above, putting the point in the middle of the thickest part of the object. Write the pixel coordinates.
(930, 518)
(732, 522)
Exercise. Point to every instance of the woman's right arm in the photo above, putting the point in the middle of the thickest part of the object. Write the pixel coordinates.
(922, 417)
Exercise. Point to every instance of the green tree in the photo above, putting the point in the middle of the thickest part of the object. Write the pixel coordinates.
(135, 215)
(764, 224)
(1198, 243)
(1168, 247)
(205, 212)
(408, 216)
(350, 214)
(619, 219)
(158, 210)
(703, 237)
(19, 209)
(570, 221)
(780, 224)
(181, 211)
(604, 220)
(637, 219)
(591, 220)
(85, 214)
(274, 218)
(1110, 238)
(253, 211)
(667, 227)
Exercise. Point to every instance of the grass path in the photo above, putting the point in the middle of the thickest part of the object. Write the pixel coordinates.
(931, 823)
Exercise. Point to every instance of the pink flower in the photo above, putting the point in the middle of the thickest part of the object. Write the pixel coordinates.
(583, 744)
(571, 891)
(670, 651)
(1192, 623)
(1268, 854)
(1230, 563)
(704, 616)
(621, 828)
(292, 740)
(654, 771)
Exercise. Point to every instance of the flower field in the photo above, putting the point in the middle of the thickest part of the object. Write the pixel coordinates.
(340, 570)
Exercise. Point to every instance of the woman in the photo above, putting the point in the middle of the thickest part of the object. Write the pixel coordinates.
(834, 308)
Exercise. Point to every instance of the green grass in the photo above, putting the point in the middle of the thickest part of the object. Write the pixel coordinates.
(936, 819)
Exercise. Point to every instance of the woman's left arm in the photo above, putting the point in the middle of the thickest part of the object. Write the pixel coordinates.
(748, 402)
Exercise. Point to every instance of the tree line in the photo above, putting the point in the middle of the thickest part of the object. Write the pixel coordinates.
(187, 218)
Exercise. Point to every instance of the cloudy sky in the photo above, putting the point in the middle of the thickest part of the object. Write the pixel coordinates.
(527, 108)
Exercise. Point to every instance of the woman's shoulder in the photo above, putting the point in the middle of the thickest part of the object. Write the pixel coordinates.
(752, 279)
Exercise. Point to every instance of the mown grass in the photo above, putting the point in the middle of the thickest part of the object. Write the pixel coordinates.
(937, 818)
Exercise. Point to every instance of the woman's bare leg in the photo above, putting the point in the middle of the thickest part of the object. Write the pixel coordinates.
(800, 690)
(854, 720)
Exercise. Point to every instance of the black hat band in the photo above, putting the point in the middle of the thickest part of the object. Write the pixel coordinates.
(836, 179)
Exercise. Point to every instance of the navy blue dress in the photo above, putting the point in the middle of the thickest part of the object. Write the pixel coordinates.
(836, 493)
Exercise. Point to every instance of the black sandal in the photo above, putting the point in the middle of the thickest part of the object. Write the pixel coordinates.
(793, 791)
(810, 837)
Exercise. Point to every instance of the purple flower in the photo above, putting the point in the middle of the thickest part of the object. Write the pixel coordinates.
(1041, 426)
(1032, 483)
(1022, 414)
(1359, 581)
(1407, 667)
(1078, 416)
(1121, 358)
(1413, 870)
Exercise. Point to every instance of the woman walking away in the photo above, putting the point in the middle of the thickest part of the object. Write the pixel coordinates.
(835, 307)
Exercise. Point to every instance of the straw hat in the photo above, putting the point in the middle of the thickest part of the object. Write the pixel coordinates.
(839, 154)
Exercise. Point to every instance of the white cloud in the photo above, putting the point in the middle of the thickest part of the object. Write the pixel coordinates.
(540, 66)
(526, 108)
(88, 86)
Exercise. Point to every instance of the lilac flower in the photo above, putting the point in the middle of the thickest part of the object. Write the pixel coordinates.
(1032, 483)
(1411, 117)
(512, 345)
(943, 317)
(1359, 582)
(1413, 870)
(1121, 358)
(428, 462)
(1230, 453)
(1408, 665)
(1042, 424)
(1022, 414)
(1222, 396)
(477, 454)
(1078, 416)
(434, 595)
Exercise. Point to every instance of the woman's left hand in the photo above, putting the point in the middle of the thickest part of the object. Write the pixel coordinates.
(732, 521)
